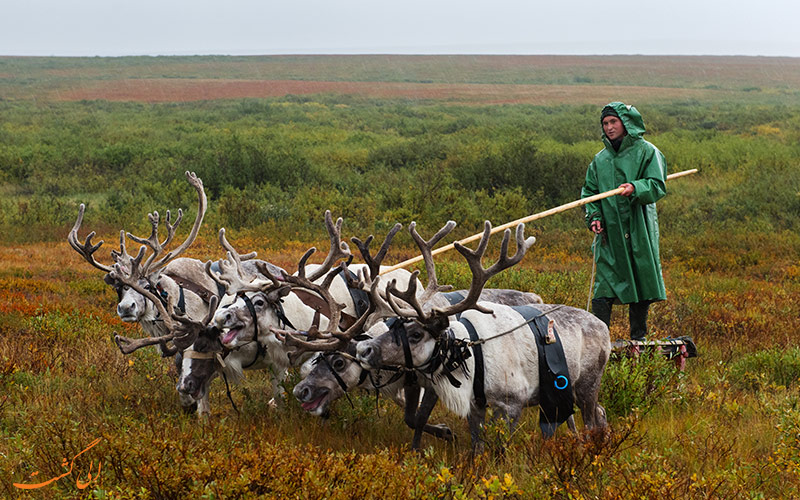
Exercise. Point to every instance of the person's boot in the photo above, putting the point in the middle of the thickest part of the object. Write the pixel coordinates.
(602, 309)
(637, 313)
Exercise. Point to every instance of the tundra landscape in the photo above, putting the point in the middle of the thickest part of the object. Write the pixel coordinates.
(380, 140)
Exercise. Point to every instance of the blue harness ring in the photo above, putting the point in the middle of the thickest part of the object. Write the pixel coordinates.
(565, 382)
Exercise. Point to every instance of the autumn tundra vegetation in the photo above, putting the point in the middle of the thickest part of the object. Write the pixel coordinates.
(277, 141)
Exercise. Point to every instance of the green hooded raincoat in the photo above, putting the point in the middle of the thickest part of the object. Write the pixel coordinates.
(627, 255)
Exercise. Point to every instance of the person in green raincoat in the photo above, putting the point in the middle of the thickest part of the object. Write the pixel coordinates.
(626, 226)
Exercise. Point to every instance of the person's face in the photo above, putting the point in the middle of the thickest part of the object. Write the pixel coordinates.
(613, 127)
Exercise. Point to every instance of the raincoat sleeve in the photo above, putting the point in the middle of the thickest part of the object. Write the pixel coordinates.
(651, 184)
(590, 189)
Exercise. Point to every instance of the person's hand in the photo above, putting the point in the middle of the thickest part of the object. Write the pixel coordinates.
(628, 189)
(596, 227)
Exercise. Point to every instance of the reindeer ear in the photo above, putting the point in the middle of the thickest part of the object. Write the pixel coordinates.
(279, 293)
(110, 281)
(439, 324)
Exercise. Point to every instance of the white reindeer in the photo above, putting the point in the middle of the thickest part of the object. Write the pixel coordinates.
(163, 275)
(253, 306)
(440, 350)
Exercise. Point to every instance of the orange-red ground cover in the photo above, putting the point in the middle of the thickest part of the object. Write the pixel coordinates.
(180, 90)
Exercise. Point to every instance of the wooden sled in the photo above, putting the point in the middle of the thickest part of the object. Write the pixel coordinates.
(679, 349)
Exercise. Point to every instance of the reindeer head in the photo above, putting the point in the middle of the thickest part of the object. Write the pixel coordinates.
(134, 306)
(420, 338)
(254, 304)
(200, 362)
(329, 376)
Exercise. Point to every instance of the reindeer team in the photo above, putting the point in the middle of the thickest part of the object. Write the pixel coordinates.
(356, 325)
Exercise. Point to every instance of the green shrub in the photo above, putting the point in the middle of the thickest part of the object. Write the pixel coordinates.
(761, 369)
(637, 383)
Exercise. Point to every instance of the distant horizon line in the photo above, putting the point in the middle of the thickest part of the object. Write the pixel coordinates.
(383, 54)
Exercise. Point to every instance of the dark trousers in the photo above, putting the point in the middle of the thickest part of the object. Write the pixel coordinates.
(637, 314)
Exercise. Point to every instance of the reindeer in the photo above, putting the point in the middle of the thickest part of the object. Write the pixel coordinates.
(331, 373)
(146, 288)
(501, 362)
(163, 274)
(251, 307)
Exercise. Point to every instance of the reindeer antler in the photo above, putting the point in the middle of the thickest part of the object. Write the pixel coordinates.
(374, 263)
(186, 330)
(339, 249)
(158, 248)
(232, 275)
(433, 287)
(480, 275)
(132, 277)
(183, 333)
(426, 247)
(87, 249)
(331, 339)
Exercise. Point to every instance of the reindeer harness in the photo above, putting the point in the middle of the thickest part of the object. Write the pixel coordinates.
(556, 398)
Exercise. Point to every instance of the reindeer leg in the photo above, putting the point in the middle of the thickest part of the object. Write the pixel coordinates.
(203, 407)
(476, 418)
(571, 424)
(440, 431)
(411, 394)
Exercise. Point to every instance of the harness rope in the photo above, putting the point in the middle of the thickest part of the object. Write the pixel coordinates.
(594, 269)
(339, 380)
(483, 341)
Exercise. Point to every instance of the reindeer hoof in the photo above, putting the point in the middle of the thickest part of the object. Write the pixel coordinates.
(447, 434)
(442, 431)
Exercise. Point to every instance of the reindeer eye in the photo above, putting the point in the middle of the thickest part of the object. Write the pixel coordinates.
(415, 336)
(258, 302)
(338, 364)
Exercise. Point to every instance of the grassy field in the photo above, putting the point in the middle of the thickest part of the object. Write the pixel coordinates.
(373, 137)
(539, 80)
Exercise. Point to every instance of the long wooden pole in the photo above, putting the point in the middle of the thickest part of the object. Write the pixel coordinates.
(540, 215)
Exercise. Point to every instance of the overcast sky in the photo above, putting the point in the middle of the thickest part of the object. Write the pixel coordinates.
(249, 27)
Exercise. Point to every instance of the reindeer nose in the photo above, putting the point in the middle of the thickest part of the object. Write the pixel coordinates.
(125, 310)
(223, 318)
(188, 386)
(302, 393)
(368, 352)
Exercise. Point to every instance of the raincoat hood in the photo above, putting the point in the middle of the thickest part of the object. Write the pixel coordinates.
(630, 117)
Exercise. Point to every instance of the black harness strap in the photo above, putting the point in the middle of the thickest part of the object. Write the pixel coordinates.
(204, 293)
(453, 297)
(163, 296)
(260, 351)
(449, 354)
(478, 380)
(181, 300)
(228, 392)
(556, 398)
(339, 380)
(397, 325)
(280, 313)
(220, 287)
(360, 297)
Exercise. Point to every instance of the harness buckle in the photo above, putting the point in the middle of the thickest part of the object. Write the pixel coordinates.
(550, 338)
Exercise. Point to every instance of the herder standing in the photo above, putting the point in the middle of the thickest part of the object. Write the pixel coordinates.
(626, 226)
